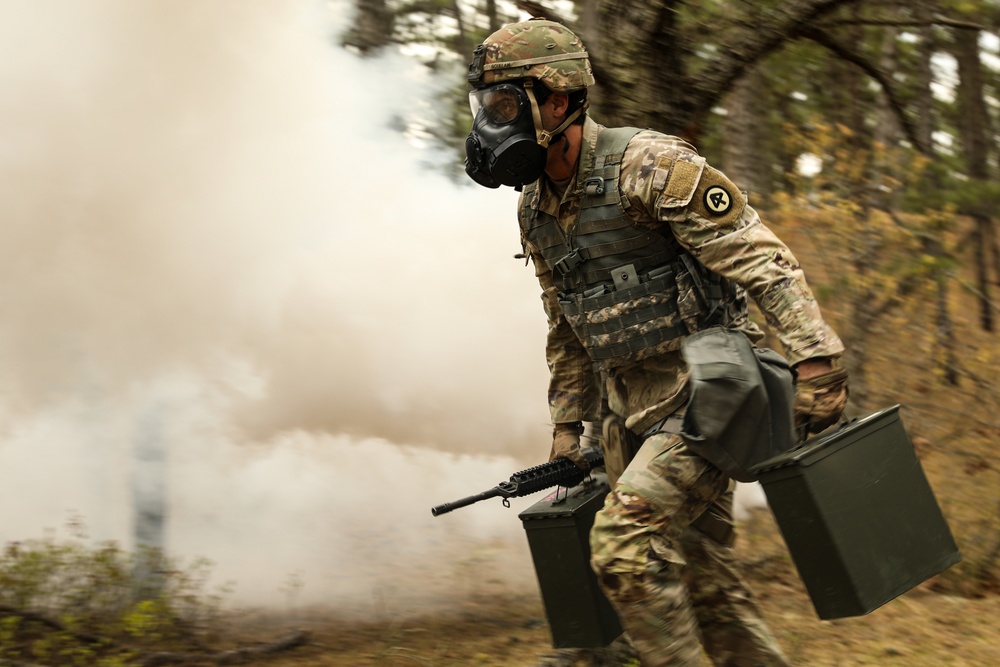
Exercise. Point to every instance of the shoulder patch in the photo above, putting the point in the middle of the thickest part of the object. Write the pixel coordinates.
(717, 199)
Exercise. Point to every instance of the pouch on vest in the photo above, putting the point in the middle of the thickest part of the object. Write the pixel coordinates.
(620, 445)
(740, 410)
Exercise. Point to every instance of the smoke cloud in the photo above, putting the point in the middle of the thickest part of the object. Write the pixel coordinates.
(216, 246)
(214, 241)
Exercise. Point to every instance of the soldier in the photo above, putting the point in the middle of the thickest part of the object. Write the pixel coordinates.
(637, 244)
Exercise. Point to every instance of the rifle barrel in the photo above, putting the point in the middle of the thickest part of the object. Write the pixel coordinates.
(447, 507)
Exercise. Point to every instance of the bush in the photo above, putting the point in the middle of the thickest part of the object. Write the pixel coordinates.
(68, 602)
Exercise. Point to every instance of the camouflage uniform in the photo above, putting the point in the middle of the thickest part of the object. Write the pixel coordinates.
(673, 585)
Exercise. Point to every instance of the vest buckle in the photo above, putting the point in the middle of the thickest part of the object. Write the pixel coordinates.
(568, 263)
(593, 186)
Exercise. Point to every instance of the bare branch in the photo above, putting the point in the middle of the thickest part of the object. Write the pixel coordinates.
(761, 37)
(972, 289)
(873, 71)
(895, 23)
(232, 657)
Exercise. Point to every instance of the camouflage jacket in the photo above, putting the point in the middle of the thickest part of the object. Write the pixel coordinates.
(666, 186)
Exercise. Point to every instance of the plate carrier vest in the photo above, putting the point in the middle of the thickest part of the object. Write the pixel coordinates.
(628, 293)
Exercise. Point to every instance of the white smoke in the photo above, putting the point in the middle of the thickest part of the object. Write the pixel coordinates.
(214, 240)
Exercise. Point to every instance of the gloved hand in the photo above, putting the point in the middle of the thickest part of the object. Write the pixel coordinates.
(820, 394)
(566, 444)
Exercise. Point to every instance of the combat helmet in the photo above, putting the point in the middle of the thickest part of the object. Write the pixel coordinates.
(508, 141)
(538, 49)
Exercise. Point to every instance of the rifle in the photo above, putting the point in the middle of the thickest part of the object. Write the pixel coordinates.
(558, 472)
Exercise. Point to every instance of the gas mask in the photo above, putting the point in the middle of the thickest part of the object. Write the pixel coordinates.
(503, 147)
(507, 145)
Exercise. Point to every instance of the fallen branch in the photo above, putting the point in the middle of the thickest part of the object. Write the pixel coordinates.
(234, 656)
(52, 624)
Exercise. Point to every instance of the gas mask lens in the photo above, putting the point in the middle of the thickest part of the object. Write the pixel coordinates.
(502, 103)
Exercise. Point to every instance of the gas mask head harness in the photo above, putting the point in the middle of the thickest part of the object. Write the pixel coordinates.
(507, 144)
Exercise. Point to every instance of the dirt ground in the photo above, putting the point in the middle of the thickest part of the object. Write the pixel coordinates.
(494, 626)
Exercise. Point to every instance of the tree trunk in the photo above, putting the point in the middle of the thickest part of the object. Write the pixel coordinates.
(492, 18)
(641, 51)
(590, 29)
(855, 105)
(372, 27)
(745, 156)
(645, 49)
(886, 133)
(462, 41)
(944, 330)
(863, 311)
(974, 142)
(848, 104)
(644, 54)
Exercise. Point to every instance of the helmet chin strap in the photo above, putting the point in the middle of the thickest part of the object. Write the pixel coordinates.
(543, 136)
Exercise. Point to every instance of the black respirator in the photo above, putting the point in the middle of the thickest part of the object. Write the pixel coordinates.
(503, 146)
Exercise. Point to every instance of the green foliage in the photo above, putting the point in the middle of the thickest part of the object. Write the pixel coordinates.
(69, 602)
(145, 620)
(980, 197)
(870, 248)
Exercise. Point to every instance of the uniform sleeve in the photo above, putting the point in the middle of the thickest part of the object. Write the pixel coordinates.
(711, 218)
(573, 391)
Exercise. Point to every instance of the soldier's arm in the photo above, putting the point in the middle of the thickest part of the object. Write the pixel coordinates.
(726, 234)
(711, 218)
(573, 391)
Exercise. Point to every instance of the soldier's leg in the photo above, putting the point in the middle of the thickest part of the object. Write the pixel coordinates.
(618, 653)
(733, 632)
(636, 549)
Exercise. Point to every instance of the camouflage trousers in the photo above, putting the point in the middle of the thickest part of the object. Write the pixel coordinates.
(676, 589)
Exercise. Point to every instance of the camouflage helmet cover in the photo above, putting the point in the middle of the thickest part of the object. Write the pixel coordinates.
(537, 48)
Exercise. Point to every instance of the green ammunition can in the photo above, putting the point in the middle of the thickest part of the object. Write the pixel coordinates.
(558, 532)
(858, 515)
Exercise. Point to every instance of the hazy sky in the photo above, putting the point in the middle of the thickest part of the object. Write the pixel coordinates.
(213, 238)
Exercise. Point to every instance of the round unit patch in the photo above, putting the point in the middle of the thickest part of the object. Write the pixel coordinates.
(718, 201)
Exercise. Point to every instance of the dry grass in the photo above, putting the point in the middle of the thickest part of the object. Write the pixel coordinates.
(923, 628)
